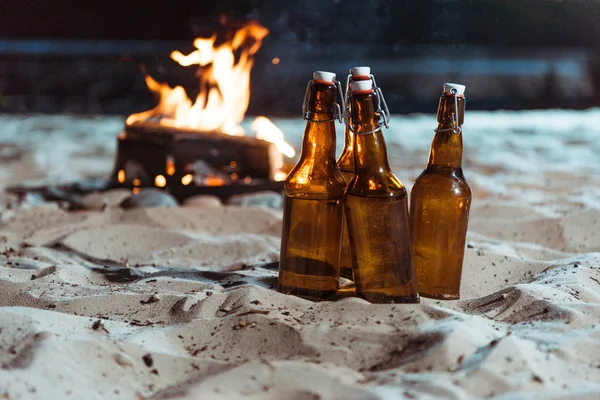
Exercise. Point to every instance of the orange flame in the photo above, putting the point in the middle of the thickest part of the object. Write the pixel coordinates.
(224, 89)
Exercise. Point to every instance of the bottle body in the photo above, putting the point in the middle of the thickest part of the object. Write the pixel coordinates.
(310, 246)
(380, 240)
(439, 207)
(313, 205)
(377, 215)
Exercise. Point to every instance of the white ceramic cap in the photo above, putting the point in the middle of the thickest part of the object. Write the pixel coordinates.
(360, 71)
(323, 76)
(361, 85)
(460, 89)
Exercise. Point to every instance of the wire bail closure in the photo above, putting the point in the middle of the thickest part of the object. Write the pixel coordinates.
(338, 114)
(384, 113)
(455, 128)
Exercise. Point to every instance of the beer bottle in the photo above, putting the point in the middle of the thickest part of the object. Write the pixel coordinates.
(377, 208)
(346, 165)
(440, 202)
(314, 199)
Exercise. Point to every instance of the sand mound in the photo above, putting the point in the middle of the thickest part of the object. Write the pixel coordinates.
(178, 303)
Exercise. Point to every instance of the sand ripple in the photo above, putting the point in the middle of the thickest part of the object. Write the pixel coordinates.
(178, 303)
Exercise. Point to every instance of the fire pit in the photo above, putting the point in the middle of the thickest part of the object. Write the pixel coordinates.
(188, 163)
(199, 147)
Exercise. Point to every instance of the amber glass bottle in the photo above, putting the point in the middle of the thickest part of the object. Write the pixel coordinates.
(314, 194)
(439, 204)
(377, 210)
(346, 165)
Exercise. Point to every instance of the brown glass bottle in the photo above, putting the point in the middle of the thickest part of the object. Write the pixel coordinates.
(439, 205)
(377, 211)
(313, 205)
(346, 165)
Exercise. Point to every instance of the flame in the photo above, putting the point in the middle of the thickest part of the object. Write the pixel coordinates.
(267, 130)
(224, 90)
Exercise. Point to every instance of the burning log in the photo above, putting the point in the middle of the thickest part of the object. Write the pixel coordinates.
(150, 154)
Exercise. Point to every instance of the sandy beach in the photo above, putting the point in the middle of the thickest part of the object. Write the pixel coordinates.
(178, 302)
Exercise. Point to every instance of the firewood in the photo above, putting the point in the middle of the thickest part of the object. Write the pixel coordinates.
(149, 154)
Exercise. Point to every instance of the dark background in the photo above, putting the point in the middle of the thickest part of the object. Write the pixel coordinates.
(85, 56)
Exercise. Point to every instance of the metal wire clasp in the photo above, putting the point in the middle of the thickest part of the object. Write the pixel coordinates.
(337, 110)
(381, 100)
(339, 114)
(455, 128)
(383, 112)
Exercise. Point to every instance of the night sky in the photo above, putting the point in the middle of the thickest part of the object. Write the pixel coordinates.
(484, 22)
(86, 56)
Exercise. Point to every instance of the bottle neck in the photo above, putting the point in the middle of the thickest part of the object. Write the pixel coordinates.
(318, 143)
(446, 149)
(370, 153)
(346, 160)
(447, 146)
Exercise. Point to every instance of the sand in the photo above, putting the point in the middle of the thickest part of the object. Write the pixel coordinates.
(178, 303)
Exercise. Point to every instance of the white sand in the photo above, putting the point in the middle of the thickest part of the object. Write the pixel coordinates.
(197, 319)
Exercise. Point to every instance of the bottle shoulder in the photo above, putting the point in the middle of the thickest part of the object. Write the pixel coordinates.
(442, 181)
(306, 179)
(383, 184)
(345, 162)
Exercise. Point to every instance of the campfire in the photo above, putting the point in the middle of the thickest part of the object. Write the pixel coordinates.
(198, 146)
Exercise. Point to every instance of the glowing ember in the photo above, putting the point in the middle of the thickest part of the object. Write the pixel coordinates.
(160, 181)
(170, 167)
(224, 92)
(187, 179)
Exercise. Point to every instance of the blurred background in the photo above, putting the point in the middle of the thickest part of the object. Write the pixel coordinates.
(86, 56)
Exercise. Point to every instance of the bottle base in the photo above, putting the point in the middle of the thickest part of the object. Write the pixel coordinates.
(308, 294)
(382, 298)
(438, 296)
